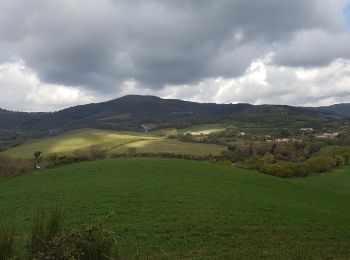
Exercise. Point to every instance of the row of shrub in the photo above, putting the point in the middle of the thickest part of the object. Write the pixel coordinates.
(315, 165)
(14, 166)
(97, 152)
(48, 239)
(288, 159)
(303, 159)
(282, 151)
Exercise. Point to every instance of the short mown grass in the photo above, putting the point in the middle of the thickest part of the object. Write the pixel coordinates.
(174, 209)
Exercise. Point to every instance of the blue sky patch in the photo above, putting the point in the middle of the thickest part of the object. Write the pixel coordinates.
(347, 14)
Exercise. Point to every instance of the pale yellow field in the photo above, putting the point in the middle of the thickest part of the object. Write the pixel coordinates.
(68, 142)
(163, 145)
(207, 132)
(115, 142)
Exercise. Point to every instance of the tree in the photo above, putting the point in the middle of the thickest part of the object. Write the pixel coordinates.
(320, 164)
(37, 158)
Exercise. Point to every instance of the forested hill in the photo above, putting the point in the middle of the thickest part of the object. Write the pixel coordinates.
(132, 112)
(338, 109)
(125, 113)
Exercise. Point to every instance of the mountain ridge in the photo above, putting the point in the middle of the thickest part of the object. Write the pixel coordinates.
(147, 109)
(340, 109)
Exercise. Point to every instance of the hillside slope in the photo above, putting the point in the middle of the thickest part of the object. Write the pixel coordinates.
(113, 142)
(338, 109)
(138, 113)
(175, 209)
(130, 112)
(125, 113)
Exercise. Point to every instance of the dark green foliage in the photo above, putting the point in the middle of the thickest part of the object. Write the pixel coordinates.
(48, 240)
(285, 169)
(7, 242)
(320, 164)
(288, 159)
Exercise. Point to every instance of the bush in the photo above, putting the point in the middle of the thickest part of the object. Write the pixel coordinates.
(320, 164)
(11, 167)
(132, 151)
(339, 160)
(7, 242)
(96, 152)
(285, 169)
(257, 162)
(48, 240)
(86, 242)
(93, 152)
(81, 155)
(52, 158)
(302, 169)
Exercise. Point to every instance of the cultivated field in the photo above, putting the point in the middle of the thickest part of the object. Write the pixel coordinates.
(70, 141)
(203, 129)
(171, 146)
(168, 209)
(113, 141)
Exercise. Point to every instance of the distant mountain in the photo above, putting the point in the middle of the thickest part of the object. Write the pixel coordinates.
(338, 109)
(125, 113)
(132, 111)
(137, 113)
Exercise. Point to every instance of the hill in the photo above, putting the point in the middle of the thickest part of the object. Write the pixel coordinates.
(113, 141)
(141, 114)
(125, 113)
(175, 209)
(338, 109)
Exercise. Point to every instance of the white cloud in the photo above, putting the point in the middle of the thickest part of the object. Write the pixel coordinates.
(265, 83)
(22, 90)
(74, 52)
(262, 83)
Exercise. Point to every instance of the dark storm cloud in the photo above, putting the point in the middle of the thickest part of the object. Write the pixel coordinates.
(313, 49)
(101, 44)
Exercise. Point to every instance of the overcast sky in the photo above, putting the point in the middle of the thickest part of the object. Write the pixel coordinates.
(55, 54)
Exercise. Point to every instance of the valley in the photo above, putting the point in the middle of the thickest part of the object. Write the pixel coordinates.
(270, 182)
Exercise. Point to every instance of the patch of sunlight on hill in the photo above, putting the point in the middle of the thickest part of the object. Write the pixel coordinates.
(204, 129)
(164, 145)
(68, 142)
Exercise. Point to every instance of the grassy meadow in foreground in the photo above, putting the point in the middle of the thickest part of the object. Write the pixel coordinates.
(168, 209)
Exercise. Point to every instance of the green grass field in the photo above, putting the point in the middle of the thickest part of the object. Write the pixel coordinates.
(66, 143)
(172, 146)
(175, 209)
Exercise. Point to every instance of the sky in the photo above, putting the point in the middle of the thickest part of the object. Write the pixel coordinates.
(56, 54)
